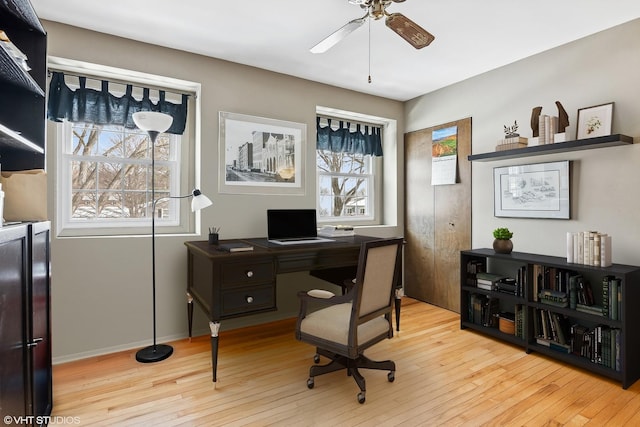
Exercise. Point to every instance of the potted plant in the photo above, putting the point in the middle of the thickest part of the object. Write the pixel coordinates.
(502, 243)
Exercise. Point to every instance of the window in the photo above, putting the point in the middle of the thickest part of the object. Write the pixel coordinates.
(104, 171)
(346, 188)
(349, 184)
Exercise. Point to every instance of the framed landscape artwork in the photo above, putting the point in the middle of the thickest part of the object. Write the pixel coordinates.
(595, 121)
(532, 191)
(260, 155)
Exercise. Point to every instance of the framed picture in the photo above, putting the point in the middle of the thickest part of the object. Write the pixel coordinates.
(595, 121)
(261, 156)
(532, 191)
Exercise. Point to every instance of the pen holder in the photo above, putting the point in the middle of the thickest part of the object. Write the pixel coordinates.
(213, 238)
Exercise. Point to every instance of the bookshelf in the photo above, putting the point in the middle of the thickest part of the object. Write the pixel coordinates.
(608, 345)
(22, 116)
(560, 147)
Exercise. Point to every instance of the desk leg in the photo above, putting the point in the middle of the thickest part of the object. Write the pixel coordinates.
(215, 328)
(190, 313)
(398, 304)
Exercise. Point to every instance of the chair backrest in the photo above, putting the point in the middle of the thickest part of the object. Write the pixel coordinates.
(376, 277)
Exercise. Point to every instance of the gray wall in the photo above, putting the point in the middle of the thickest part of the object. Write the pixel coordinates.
(102, 286)
(598, 69)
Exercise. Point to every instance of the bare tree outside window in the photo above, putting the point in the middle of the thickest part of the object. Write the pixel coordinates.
(111, 172)
(345, 184)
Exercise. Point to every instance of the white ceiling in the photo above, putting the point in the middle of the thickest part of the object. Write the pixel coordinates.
(472, 36)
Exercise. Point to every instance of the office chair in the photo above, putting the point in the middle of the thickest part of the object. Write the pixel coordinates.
(342, 327)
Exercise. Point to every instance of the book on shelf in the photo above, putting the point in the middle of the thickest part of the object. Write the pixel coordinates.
(235, 247)
(487, 281)
(489, 278)
(483, 310)
(596, 310)
(508, 286)
(473, 268)
(611, 296)
(512, 143)
(599, 344)
(589, 248)
(563, 348)
(547, 128)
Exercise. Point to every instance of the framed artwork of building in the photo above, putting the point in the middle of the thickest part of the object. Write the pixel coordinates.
(261, 155)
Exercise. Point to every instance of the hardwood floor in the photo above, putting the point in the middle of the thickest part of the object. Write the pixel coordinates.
(445, 376)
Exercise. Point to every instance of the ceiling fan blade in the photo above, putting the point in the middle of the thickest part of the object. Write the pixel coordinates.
(338, 35)
(417, 36)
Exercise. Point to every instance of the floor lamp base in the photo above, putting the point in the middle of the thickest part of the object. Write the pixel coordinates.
(154, 353)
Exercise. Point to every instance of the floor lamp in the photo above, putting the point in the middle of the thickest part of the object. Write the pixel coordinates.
(154, 123)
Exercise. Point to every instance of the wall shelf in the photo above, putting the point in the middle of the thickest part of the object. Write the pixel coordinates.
(560, 147)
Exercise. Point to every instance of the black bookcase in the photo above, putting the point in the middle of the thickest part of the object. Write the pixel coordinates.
(22, 92)
(526, 268)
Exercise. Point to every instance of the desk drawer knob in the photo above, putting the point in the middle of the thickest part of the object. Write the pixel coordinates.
(249, 273)
(249, 299)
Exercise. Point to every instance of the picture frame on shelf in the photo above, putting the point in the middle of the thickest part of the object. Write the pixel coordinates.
(594, 121)
(539, 190)
(260, 155)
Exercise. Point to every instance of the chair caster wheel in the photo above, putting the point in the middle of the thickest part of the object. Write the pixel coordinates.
(391, 376)
(316, 358)
(310, 383)
(361, 397)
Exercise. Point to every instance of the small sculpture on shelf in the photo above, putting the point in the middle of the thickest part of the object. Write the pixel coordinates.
(510, 131)
(563, 118)
(502, 243)
(535, 121)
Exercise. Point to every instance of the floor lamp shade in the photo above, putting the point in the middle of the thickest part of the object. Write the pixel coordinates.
(152, 121)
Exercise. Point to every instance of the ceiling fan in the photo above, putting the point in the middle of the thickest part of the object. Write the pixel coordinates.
(417, 36)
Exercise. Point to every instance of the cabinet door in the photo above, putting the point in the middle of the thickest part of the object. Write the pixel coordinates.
(41, 322)
(13, 322)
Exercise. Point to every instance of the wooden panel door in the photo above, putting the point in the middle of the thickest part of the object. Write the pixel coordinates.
(437, 219)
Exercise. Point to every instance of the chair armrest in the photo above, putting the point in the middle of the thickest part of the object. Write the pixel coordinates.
(323, 297)
(320, 293)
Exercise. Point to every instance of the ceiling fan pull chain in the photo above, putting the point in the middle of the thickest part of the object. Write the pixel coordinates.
(369, 50)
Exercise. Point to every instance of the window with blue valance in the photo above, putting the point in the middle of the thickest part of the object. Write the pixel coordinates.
(104, 108)
(365, 139)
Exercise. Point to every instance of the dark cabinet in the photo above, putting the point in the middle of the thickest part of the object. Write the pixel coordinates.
(25, 322)
(22, 94)
(25, 276)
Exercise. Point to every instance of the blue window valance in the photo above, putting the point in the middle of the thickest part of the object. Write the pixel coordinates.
(365, 141)
(103, 108)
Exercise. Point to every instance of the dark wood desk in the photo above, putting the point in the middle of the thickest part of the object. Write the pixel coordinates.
(227, 285)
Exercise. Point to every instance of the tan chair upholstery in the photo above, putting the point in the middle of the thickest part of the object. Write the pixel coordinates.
(344, 326)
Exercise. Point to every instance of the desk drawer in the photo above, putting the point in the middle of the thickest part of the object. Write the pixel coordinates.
(249, 299)
(248, 272)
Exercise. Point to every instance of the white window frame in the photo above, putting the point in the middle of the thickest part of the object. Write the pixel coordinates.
(187, 155)
(370, 183)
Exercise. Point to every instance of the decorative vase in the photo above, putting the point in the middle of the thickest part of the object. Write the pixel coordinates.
(502, 246)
